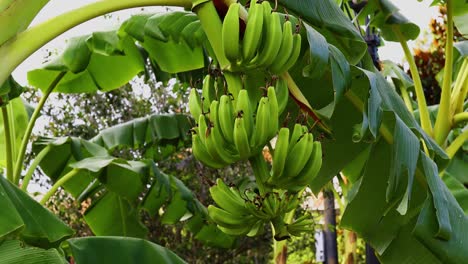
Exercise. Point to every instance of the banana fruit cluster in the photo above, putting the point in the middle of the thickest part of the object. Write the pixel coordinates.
(231, 129)
(296, 160)
(238, 215)
(267, 42)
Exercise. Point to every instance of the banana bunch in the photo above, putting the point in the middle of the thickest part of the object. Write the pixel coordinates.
(267, 42)
(303, 224)
(272, 205)
(227, 129)
(296, 160)
(232, 217)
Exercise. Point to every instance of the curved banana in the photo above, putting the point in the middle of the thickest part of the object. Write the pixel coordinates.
(311, 169)
(256, 211)
(271, 39)
(201, 154)
(282, 94)
(226, 118)
(280, 154)
(228, 220)
(238, 231)
(256, 229)
(296, 134)
(234, 83)
(226, 199)
(273, 111)
(202, 128)
(286, 46)
(208, 92)
(262, 124)
(214, 141)
(244, 109)
(194, 103)
(296, 51)
(298, 156)
(253, 31)
(230, 33)
(241, 138)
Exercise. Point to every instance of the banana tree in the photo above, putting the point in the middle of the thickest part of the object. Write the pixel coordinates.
(337, 94)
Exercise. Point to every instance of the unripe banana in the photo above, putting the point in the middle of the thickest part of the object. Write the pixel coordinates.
(202, 128)
(262, 124)
(230, 33)
(273, 111)
(228, 220)
(253, 31)
(201, 154)
(238, 231)
(208, 92)
(271, 40)
(256, 211)
(298, 156)
(286, 46)
(296, 134)
(256, 229)
(214, 142)
(227, 199)
(194, 103)
(280, 154)
(296, 51)
(299, 226)
(241, 138)
(282, 94)
(234, 83)
(311, 169)
(244, 109)
(226, 118)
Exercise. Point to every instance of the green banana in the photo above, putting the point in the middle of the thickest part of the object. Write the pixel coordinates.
(296, 134)
(215, 143)
(262, 124)
(286, 46)
(256, 211)
(280, 154)
(226, 118)
(302, 224)
(296, 51)
(256, 229)
(311, 169)
(238, 231)
(253, 31)
(273, 111)
(194, 103)
(244, 109)
(201, 154)
(202, 128)
(227, 199)
(234, 83)
(241, 138)
(271, 39)
(228, 220)
(208, 92)
(230, 33)
(298, 156)
(282, 94)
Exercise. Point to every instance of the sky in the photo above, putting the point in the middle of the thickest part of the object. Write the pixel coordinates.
(417, 12)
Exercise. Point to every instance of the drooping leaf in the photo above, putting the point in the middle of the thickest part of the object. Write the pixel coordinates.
(120, 250)
(459, 191)
(35, 224)
(385, 16)
(19, 119)
(113, 215)
(154, 129)
(16, 15)
(460, 16)
(100, 61)
(9, 90)
(330, 21)
(14, 251)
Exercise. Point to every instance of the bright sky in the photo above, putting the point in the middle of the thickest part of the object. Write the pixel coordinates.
(417, 12)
